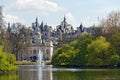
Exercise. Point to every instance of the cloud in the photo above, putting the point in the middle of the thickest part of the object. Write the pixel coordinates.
(88, 21)
(70, 17)
(44, 6)
(12, 18)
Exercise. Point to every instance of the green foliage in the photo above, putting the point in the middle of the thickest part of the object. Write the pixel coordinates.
(115, 60)
(84, 51)
(75, 43)
(115, 41)
(64, 55)
(6, 63)
(99, 53)
(10, 76)
(73, 54)
(11, 58)
(81, 45)
(25, 63)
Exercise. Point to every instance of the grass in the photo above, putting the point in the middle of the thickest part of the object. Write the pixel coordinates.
(30, 63)
(25, 63)
(48, 62)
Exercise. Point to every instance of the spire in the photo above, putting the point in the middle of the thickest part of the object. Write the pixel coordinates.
(41, 26)
(64, 19)
(81, 27)
(36, 22)
(42, 23)
(9, 29)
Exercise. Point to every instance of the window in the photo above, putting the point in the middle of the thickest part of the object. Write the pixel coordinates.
(33, 41)
(34, 51)
(45, 33)
(47, 51)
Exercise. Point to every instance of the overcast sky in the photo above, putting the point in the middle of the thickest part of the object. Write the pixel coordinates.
(87, 12)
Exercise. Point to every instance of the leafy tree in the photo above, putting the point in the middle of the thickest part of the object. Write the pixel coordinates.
(115, 41)
(100, 53)
(81, 45)
(115, 60)
(73, 54)
(11, 58)
(6, 63)
(64, 55)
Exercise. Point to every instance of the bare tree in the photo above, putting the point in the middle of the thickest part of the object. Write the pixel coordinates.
(1, 21)
(17, 39)
(111, 25)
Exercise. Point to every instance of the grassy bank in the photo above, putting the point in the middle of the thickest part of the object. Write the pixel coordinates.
(25, 63)
(30, 63)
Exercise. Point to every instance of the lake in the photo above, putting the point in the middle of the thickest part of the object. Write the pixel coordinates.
(35, 72)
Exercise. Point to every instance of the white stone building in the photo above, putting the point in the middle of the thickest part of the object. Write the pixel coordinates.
(37, 42)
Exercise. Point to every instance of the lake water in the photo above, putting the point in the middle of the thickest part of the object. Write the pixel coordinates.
(35, 72)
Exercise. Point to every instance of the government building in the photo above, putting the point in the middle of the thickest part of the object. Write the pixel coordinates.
(44, 37)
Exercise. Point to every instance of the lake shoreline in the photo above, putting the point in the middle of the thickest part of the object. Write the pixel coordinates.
(87, 67)
(68, 66)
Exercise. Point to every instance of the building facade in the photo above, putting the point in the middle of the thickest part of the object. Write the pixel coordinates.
(43, 38)
(40, 42)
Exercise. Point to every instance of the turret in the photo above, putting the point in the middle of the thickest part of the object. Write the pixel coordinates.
(81, 27)
(41, 27)
(64, 19)
(36, 22)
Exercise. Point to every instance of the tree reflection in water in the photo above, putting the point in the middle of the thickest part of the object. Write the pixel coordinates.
(90, 74)
(9, 76)
(34, 72)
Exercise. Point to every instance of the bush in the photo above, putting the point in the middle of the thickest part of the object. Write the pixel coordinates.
(7, 61)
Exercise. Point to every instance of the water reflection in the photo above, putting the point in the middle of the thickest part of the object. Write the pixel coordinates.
(88, 74)
(10, 76)
(35, 72)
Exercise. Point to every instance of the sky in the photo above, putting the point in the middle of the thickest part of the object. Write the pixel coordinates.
(52, 12)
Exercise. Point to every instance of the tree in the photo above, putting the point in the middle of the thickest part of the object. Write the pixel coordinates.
(100, 53)
(81, 45)
(74, 53)
(2, 27)
(7, 61)
(64, 55)
(67, 40)
(17, 39)
(1, 21)
(115, 41)
(96, 30)
(111, 25)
